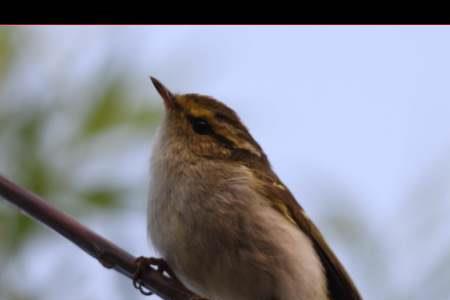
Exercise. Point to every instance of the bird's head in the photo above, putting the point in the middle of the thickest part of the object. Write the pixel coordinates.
(207, 128)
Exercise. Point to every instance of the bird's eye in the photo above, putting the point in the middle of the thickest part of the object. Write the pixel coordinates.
(201, 126)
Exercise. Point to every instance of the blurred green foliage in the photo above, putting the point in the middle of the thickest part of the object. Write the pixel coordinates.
(111, 110)
(6, 51)
(25, 156)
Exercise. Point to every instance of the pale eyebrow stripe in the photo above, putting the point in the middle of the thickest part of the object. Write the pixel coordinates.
(224, 118)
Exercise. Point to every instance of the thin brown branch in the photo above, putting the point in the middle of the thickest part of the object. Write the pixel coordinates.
(107, 253)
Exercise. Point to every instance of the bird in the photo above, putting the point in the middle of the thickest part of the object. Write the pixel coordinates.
(227, 226)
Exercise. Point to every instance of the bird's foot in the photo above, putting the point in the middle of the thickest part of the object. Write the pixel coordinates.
(150, 262)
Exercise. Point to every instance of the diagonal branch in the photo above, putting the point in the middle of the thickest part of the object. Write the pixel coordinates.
(107, 253)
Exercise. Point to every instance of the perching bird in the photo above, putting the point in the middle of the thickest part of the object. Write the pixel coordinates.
(223, 220)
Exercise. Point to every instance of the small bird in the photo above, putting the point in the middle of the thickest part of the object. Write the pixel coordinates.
(223, 220)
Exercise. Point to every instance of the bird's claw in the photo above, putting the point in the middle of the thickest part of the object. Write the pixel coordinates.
(147, 262)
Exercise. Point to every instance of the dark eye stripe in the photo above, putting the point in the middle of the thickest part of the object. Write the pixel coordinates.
(200, 125)
(224, 141)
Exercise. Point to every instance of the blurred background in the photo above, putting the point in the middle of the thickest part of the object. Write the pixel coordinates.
(355, 120)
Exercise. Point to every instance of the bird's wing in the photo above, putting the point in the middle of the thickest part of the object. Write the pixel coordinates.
(340, 285)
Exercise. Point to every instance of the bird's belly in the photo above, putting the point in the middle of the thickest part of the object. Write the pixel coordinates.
(235, 255)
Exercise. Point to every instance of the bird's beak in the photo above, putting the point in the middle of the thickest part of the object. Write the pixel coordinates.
(168, 97)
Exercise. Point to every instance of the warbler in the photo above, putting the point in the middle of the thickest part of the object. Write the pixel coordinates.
(222, 219)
